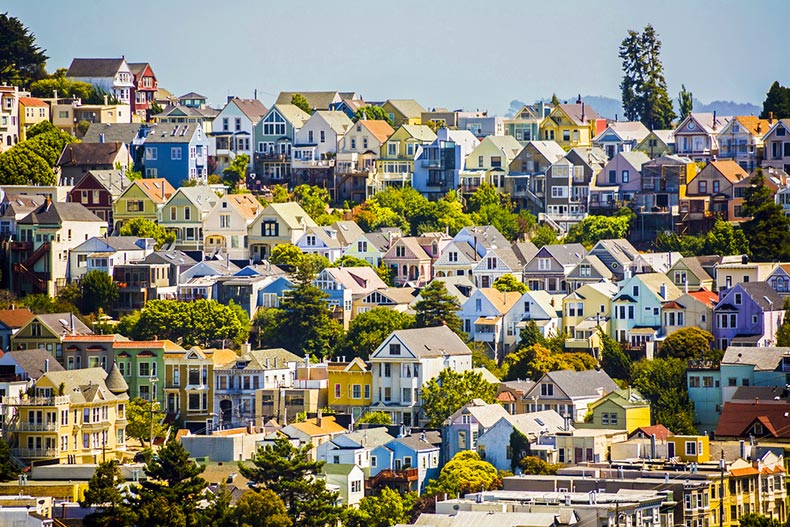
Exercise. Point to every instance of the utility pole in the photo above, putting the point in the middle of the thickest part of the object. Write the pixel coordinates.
(722, 465)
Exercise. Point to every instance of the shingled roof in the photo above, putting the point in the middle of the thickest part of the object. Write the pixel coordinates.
(94, 67)
(55, 213)
(77, 154)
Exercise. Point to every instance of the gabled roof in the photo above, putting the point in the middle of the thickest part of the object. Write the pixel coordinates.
(575, 384)
(619, 248)
(379, 129)
(347, 231)
(636, 158)
(314, 427)
(202, 196)
(293, 114)
(337, 121)
(258, 359)
(625, 131)
(762, 358)
(534, 423)
(660, 431)
(706, 121)
(317, 100)
(33, 101)
(77, 154)
(729, 169)
(83, 385)
(666, 136)
(551, 150)
(109, 244)
(359, 280)
(172, 133)
(596, 265)
(568, 254)
(291, 213)
(94, 67)
(524, 251)
(754, 125)
(366, 438)
(15, 318)
(192, 95)
(20, 205)
(63, 323)
(407, 107)
(252, 108)
(737, 418)
(114, 181)
(435, 341)
(35, 362)
(507, 143)
(55, 213)
(138, 67)
(502, 302)
(420, 132)
(158, 190)
(627, 398)
(693, 264)
(172, 257)
(378, 240)
(760, 292)
(416, 442)
(485, 414)
(580, 113)
(709, 298)
(248, 206)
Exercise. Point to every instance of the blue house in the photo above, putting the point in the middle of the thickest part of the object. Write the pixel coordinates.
(406, 463)
(437, 168)
(178, 153)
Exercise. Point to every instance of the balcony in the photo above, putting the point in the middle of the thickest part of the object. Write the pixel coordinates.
(431, 163)
(702, 365)
(21, 246)
(312, 163)
(271, 157)
(583, 344)
(32, 427)
(134, 286)
(36, 401)
(30, 453)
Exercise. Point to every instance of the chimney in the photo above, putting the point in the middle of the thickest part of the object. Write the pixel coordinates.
(770, 117)
(71, 323)
(55, 95)
(652, 446)
(319, 418)
(663, 291)
(582, 112)
(46, 369)
(106, 100)
(47, 202)
(231, 97)
(714, 119)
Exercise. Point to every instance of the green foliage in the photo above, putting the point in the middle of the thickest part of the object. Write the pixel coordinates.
(369, 329)
(437, 307)
(33, 161)
(777, 102)
(21, 60)
(783, 332)
(372, 113)
(280, 194)
(448, 392)
(614, 361)
(508, 283)
(351, 261)
(7, 470)
(758, 520)
(595, 228)
(43, 303)
(82, 128)
(375, 418)
(104, 494)
(98, 291)
(262, 508)
(480, 358)
(687, 343)
(768, 231)
(723, 239)
(138, 415)
(145, 228)
(531, 335)
(644, 89)
(519, 448)
(463, 474)
(300, 101)
(663, 383)
(485, 195)
(386, 509)
(533, 361)
(200, 322)
(66, 88)
(288, 472)
(544, 235)
(314, 200)
(685, 102)
(236, 173)
(536, 466)
(287, 256)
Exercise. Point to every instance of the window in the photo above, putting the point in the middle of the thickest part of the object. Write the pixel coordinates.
(547, 389)
(173, 213)
(187, 213)
(738, 299)
(224, 221)
(356, 486)
(694, 381)
(691, 448)
(394, 349)
(392, 149)
(707, 381)
(462, 443)
(322, 134)
(151, 153)
(400, 251)
(175, 153)
(715, 186)
(387, 370)
(387, 394)
(238, 123)
(337, 391)
(406, 396)
(544, 264)
(703, 187)
(270, 228)
(625, 176)
(367, 391)
(356, 391)
(612, 177)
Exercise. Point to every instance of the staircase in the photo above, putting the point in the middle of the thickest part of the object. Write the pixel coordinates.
(24, 274)
(36, 255)
(545, 218)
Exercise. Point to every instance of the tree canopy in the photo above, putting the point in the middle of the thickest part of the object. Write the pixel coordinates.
(97, 291)
(685, 102)
(375, 418)
(139, 413)
(32, 161)
(104, 494)
(595, 228)
(614, 360)
(466, 472)
(508, 283)
(260, 508)
(443, 395)
(531, 362)
(236, 172)
(373, 113)
(777, 102)
(687, 343)
(768, 231)
(369, 329)
(145, 228)
(386, 509)
(663, 383)
(300, 101)
(437, 307)
(7, 470)
(21, 60)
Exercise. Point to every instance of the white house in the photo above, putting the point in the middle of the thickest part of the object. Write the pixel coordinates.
(233, 129)
(226, 227)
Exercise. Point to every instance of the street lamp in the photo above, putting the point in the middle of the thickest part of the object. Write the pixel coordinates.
(771, 319)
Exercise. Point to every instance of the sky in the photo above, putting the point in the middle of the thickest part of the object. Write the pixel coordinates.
(455, 54)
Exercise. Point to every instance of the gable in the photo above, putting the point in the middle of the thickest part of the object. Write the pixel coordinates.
(385, 350)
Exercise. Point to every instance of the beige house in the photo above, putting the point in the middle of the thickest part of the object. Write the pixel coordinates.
(277, 224)
(31, 112)
(738, 269)
(226, 227)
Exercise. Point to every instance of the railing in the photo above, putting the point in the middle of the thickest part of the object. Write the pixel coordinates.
(37, 401)
(312, 163)
(27, 453)
(431, 163)
(21, 246)
(32, 427)
(698, 364)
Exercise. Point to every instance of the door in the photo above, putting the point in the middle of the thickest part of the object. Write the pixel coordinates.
(578, 455)
(670, 450)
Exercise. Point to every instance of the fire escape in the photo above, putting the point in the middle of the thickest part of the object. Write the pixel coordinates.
(23, 272)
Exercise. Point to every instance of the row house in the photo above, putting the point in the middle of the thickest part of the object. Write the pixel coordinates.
(350, 386)
(525, 123)
(618, 255)
(104, 253)
(738, 269)
(357, 154)
(615, 186)
(568, 186)
(15, 207)
(482, 125)
(569, 393)
(48, 332)
(90, 351)
(133, 135)
(777, 146)
(32, 111)
(526, 179)
(97, 190)
(549, 268)
(697, 136)
(77, 159)
(184, 215)
(144, 89)
(747, 314)
(409, 262)
(542, 309)
(66, 114)
(461, 431)
(439, 165)
(191, 108)
(692, 309)
(144, 198)
(489, 316)
(177, 153)
(9, 117)
(572, 125)
(457, 259)
(318, 100)
(589, 271)
(495, 263)
(741, 140)
(493, 443)
(277, 224)
(273, 137)
(395, 165)
(708, 195)
(489, 163)
(232, 129)
(636, 309)
(403, 112)
(664, 182)
(692, 273)
(113, 75)
(315, 148)
(657, 143)
(227, 226)
(346, 286)
(586, 313)
(320, 240)
(141, 364)
(620, 137)
(253, 287)
(138, 282)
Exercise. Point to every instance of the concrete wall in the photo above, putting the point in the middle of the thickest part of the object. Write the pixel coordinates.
(222, 448)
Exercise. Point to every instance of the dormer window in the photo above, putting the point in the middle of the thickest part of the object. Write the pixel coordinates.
(547, 390)
(394, 349)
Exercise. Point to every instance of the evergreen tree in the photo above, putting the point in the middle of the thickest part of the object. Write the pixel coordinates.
(643, 88)
(388, 508)
(7, 470)
(614, 361)
(663, 383)
(777, 102)
(531, 335)
(685, 102)
(437, 307)
(369, 329)
(768, 231)
(103, 494)
(98, 291)
(300, 101)
(21, 60)
(262, 508)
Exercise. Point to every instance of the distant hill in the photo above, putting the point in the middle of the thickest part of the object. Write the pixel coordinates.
(611, 108)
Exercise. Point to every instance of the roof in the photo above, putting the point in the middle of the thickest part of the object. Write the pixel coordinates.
(83, 385)
(33, 101)
(625, 398)
(754, 125)
(252, 108)
(347, 231)
(709, 298)
(115, 381)
(293, 114)
(312, 428)
(416, 442)
(340, 469)
(660, 431)
(582, 383)
(365, 437)
(337, 121)
(485, 414)
(170, 257)
(731, 170)
(502, 301)
(625, 130)
(317, 100)
(246, 204)
(761, 293)
(15, 318)
(109, 244)
(202, 196)
(35, 362)
(431, 342)
(77, 154)
(94, 67)
(407, 107)
(138, 67)
(158, 190)
(20, 205)
(359, 280)
(55, 213)
(420, 132)
(524, 251)
(533, 423)
(112, 132)
(762, 358)
(114, 181)
(737, 418)
(666, 136)
(580, 113)
(172, 133)
(635, 158)
(192, 95)
(707, 122)
(291, 213)
(258, 359)
(551, 150)
(568, 254)
(379, 129)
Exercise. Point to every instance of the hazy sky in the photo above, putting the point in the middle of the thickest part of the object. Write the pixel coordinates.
(455, 53)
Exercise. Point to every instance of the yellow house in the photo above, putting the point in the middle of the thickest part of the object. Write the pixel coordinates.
(584, 311)
(31, 112)
(692, 449)
(489, 162)
(73, 416)
(142, 199)
(350, 387)
(572, 125)
(620, 410)
(403, 111)
(395, 165)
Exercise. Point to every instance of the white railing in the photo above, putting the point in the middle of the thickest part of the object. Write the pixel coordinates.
(36, 401)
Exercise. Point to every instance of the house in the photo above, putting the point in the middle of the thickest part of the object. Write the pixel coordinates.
(779, 279)
(226, 227)
(78, 158)
(526, 179)
(142, 199)
(438, 167)
(409, 262)
(345, 286)
(495, 263)
(395, 164)
(112, 75)
(572, 125)
(48, 331)
(457, 259)
(315, 148)
(252, 287)
(97, 190)
(619, 410)
(590, 270)
(663, 186)
(177, 262)
(354, 447)
(232, 129)
(73, 417)
(460, 431)
(349, 479)
(708, 195)
(747, 419)
(487, 314)
(105, 252)
(370, 247)
(90, 351)
(737, 269)
(318, 100)
(525, 123)
(403, 111)
(636, 309)
(273, 137)
(747, 314)
(31, 112)
(405, 361)
(400, 299)
(40, 257)
(313, 431)
(693, 272)
(141, 363)
(548, 269)
(568, 186)
(321, 240)
(694, 309)
(620, 136)
(617, 255)
(184, 214)
(177, 153)
(406, 463)
(11, 321)
(139, 282)
(543, 309)
(193, 113)
(590, 445)
(15, 207)
(9, 117)
(19, 370)
(570, 393)
(657, 143)
(777, 146)
(489, 163)
(143, 89)
(696, 137)
(539, 427)
(356, 158)
(131, 134)
(586, 313)
(277, 224)
(616, 184)
(350, 386)
(482, 125)
(741, 140)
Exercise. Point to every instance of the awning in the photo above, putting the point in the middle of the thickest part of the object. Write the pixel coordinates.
(642, 331)
(745, 339)
(487, 321)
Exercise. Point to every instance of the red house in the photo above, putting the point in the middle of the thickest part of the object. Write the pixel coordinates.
(97, 190)
(145, 86)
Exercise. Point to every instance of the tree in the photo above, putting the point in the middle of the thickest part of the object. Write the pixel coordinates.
(286, 255)
(485, 195)
(531, 335)
(663, 383)
(687, 343)
(544, 235)
(463, 474)
(98, 291)
(508, 283)
(375, 418)
(58, 82)
(104, 494)
(783, 332)
(685, 102)
(369, 329)
(32, 161)
(7, 470)
(236, 173)
(519, 448)
(443, 395)
(595, 228)
(288, 471)
(644, 89)
(777, 102)
(725, 239)
(768, 231)
(614, 361)
(145, 228)
(388, 508)
(314, 200)
(437, 307)
(43, 303)
(21, 60)
(173, 480)
(555, 101)
(300, 101)
(139, 414)
(535, 466)
(372, 113)
(533, 361)
(758, 520)
(262, 508)
(351, 261)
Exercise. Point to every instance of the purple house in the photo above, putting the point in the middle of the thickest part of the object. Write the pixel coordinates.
(748, 314)
(615, 185)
